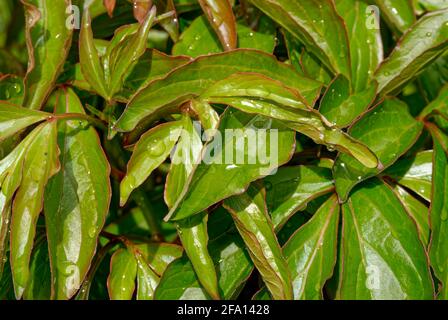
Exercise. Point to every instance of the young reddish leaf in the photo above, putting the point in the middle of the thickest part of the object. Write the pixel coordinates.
(110, 6)
(220, 15)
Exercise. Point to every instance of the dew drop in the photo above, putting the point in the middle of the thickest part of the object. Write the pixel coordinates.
(429, 34)
(92, 232)
(156, 148)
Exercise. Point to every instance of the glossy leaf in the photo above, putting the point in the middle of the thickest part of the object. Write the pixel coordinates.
(439, 216)
(414, 173)
(147, 280)
(208, 117)
(418, 212)
(340, 106)
(422, 44)
(380, 244)
(11, 168)
(292, 188)
(317, 25)
(255, 227)
(91, 66)
(232, 262)
(192, 79)
(438, 106)
(76, 199)
(366, 46)
(149, 153)
(127, 54)
(121, 280)
(399, 14)
(199, 39)
(194, 237)
(220, 15)
(433, 4)
(14, 118)
(183, 160)
(311, 252)
(39, 165)
(48, 42)
(235, 173)
(389, 131)
(159, 255)
(253, 93)
(39, 286)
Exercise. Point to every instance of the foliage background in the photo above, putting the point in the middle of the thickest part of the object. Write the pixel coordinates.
(94, 207)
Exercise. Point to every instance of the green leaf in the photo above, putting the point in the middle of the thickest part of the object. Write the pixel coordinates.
(414, 173)
(314, 69)
(292, 188)
(89, 58)
(223, 172)
(229, 255)
(389, 131)
(341, 106)
(192, 231)
(13, 119)
(39, 165)
(311, 252)
(147, 280)
(208, 117)
(199, 39)
(366, 46)
(48, 42)
(126, 54)
(180, 282)
(381, 246)
(254, 93)
(123, 270)
(432, 5)
(220, 15)
(317, 25)
(151, 65)
(183, 160)
(149, 153)
(438, 106)
(255, 227)
(421, 45)
(39, 286)
(76, 199)
(159, 255)
(194, 237)
(417, 211)
(191, 80)
(399, 14)
(11, 168)
(439, 217)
